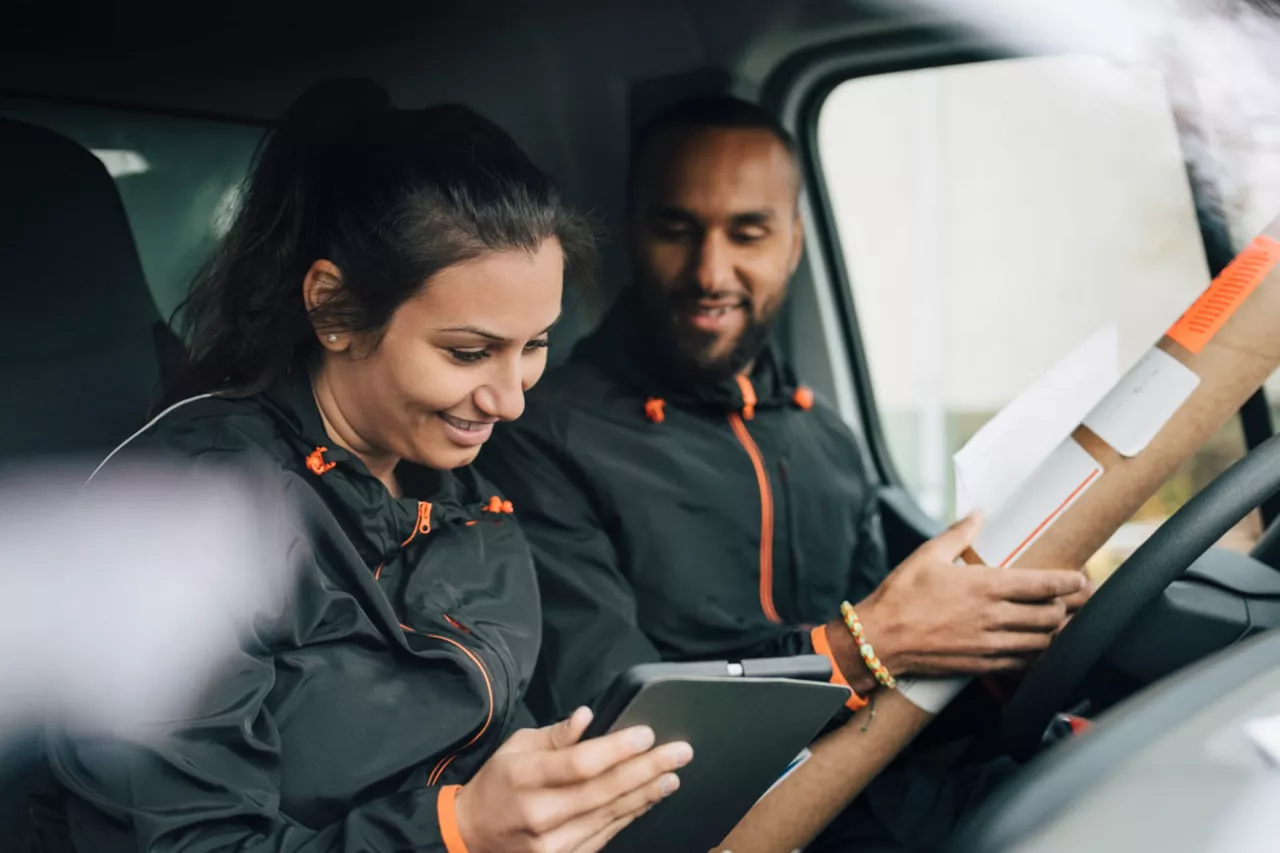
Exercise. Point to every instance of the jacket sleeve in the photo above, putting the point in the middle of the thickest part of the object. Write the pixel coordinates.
(206, 776)
(590, 630)
(870, 564)
(211, 782)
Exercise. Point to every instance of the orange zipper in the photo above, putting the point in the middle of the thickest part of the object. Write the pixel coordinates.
(488, 683)
(423, 524)
(766, 516)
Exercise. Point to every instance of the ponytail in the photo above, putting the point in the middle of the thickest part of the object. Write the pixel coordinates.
(391, 197)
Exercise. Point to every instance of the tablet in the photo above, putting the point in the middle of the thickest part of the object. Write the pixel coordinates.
(747, 722)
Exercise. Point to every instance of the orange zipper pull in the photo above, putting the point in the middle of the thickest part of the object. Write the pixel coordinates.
(748, 397)
(316, 463)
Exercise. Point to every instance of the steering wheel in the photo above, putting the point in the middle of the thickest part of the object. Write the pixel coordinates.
(1052, 683)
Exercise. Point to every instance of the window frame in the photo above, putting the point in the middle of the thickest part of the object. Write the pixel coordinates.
(796, 92)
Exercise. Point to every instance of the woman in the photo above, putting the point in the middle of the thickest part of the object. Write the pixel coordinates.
(382, 299)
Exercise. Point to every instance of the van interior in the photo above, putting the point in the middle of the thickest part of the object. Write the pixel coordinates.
(944, 168)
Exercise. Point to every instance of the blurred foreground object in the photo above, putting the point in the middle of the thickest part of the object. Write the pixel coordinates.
(119, 599)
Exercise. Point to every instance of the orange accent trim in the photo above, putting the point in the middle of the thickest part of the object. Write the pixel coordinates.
(471, 523)
(1078, 489)
(1208, 314)
(423, 524)
(499, 506)
(440, 768)
(822, 646)
(316, 463)
(766, 517)
(1079, 725)
(655, 409)
(803, 398)
(447, 815)
(748, 397)
(444, 762)
(455, 623)
(377, 573)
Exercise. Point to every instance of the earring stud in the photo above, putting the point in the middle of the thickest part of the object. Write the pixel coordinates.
(333, 339)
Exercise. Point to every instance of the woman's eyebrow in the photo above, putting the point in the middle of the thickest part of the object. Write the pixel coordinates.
(492, 336)
(475, 330)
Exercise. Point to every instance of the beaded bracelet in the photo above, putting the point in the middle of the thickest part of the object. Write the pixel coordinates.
(878, 669)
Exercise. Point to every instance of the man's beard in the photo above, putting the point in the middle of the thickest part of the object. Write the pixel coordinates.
(684, 352)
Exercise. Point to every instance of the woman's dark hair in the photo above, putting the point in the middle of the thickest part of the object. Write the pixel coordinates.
(389, 196)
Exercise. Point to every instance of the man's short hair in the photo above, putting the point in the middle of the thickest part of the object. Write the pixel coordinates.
(705, 113)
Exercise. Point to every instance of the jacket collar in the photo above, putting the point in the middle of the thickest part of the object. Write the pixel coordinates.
(360, 499)
(622, 347)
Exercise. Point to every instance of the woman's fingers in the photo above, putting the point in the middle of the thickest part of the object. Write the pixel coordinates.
(581, 762)
(590, 832)
(558, 806)
(622, 781)
(557, 736)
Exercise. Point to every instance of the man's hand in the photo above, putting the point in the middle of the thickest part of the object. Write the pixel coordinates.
(545, 791)
(933, 617)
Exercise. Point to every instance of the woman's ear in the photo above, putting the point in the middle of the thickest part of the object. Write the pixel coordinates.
(322, 283)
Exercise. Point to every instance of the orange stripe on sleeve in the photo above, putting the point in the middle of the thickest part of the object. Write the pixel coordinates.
(453, 842)
(822, 646)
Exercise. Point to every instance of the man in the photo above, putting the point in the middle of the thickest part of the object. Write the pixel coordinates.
(687, 498)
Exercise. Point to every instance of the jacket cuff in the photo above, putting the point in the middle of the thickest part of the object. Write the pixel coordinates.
(822, 646)
(453, 842)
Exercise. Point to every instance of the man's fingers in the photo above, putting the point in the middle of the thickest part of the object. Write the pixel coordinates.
(952, 542)
(584, 761)
(1036, 584)
(1003, 664)
(1004, 643)
(1077, 600)
(1009, 615)
(968, 664)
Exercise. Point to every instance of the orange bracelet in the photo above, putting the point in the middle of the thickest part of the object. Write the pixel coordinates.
(878, 669)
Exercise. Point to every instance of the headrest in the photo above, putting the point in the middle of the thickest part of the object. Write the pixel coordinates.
(70, 278)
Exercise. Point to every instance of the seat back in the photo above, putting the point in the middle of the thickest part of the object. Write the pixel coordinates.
(82, 345)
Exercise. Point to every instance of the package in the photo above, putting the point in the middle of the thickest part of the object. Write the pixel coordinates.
(1162, 410)
(1143, 429)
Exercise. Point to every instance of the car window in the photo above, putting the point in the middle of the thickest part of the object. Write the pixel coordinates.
(991, 216)
(177, 177)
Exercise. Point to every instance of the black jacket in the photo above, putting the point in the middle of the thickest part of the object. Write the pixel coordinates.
(345, 723)
(679, 524)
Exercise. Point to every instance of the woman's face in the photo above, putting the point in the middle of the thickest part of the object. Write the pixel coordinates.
(455, 359)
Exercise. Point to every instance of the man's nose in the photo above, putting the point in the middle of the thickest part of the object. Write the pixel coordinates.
(714, 270)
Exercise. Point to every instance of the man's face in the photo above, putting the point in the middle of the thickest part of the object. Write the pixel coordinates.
(715, 235)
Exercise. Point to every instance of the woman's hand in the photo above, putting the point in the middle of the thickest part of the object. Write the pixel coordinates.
(544, 792)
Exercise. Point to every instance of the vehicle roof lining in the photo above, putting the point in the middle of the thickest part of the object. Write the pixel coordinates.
(562, 76)
(218, 63)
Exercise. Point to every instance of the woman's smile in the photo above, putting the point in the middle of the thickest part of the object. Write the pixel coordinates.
(466, 432)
